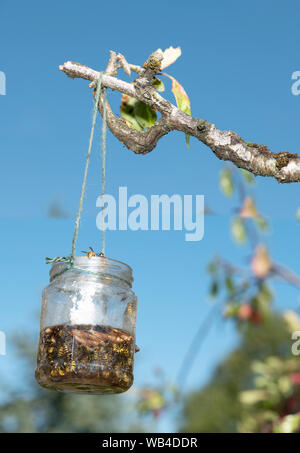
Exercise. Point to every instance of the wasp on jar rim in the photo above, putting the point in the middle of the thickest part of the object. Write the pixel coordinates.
(91, 253)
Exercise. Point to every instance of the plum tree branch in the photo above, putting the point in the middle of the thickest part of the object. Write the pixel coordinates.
(226, 145)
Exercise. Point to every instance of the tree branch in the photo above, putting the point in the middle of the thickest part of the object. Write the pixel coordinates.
(226, 145)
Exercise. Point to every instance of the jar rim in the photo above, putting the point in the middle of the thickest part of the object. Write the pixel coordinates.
(98, 265)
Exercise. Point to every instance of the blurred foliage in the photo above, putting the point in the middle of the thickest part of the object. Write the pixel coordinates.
(273, 403)
(257, 387)
(249, 177)
(226, 181)
(238, 230)
(56, 211)
(156, 399)
(222, 406)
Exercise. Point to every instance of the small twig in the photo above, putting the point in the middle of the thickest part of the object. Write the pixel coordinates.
(111, 68)
(286, 274)
(229, 268)
(136, 68)
(124, 64)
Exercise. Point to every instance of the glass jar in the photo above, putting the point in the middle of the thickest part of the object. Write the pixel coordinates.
(87, 327)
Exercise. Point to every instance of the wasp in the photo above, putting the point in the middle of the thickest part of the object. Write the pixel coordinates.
(130, 308)
(91, 253)
(125, 377)
(66, 350)
(117, 348)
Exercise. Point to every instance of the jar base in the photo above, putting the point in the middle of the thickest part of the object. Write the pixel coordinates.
(79, 388)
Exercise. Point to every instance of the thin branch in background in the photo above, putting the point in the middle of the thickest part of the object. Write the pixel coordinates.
(230, 268)
(287, 275)
(195, 345)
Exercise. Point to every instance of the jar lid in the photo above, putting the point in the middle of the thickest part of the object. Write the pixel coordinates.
(97, 265)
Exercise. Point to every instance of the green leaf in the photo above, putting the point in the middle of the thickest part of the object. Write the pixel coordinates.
(127, 112)
(144, 115)
(252, 396)
(182, 100)
(187, 140)
(212, 267)
(229, 284)
(226, 182)
(264, 296)
(214, 289)
(288, 424)
(231, 309)
(262, 223)
(137, 114)
(238, 230)
(158, 84)
(249, 177)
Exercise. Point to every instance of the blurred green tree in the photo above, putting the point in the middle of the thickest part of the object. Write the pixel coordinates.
(218, 407)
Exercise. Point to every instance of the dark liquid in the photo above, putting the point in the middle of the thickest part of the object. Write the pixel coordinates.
(85, 359)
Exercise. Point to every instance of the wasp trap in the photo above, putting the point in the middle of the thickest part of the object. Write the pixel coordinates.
(87, 328)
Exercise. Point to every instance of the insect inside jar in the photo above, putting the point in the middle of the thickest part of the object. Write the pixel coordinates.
(84, 357)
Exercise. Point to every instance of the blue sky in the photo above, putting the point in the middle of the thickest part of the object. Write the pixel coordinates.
(236, 65)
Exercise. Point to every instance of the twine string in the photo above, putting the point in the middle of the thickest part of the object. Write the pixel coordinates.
(103, 167)
(70, 259)
(87, 162)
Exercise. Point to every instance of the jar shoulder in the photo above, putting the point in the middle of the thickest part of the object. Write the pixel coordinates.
(102, 285)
